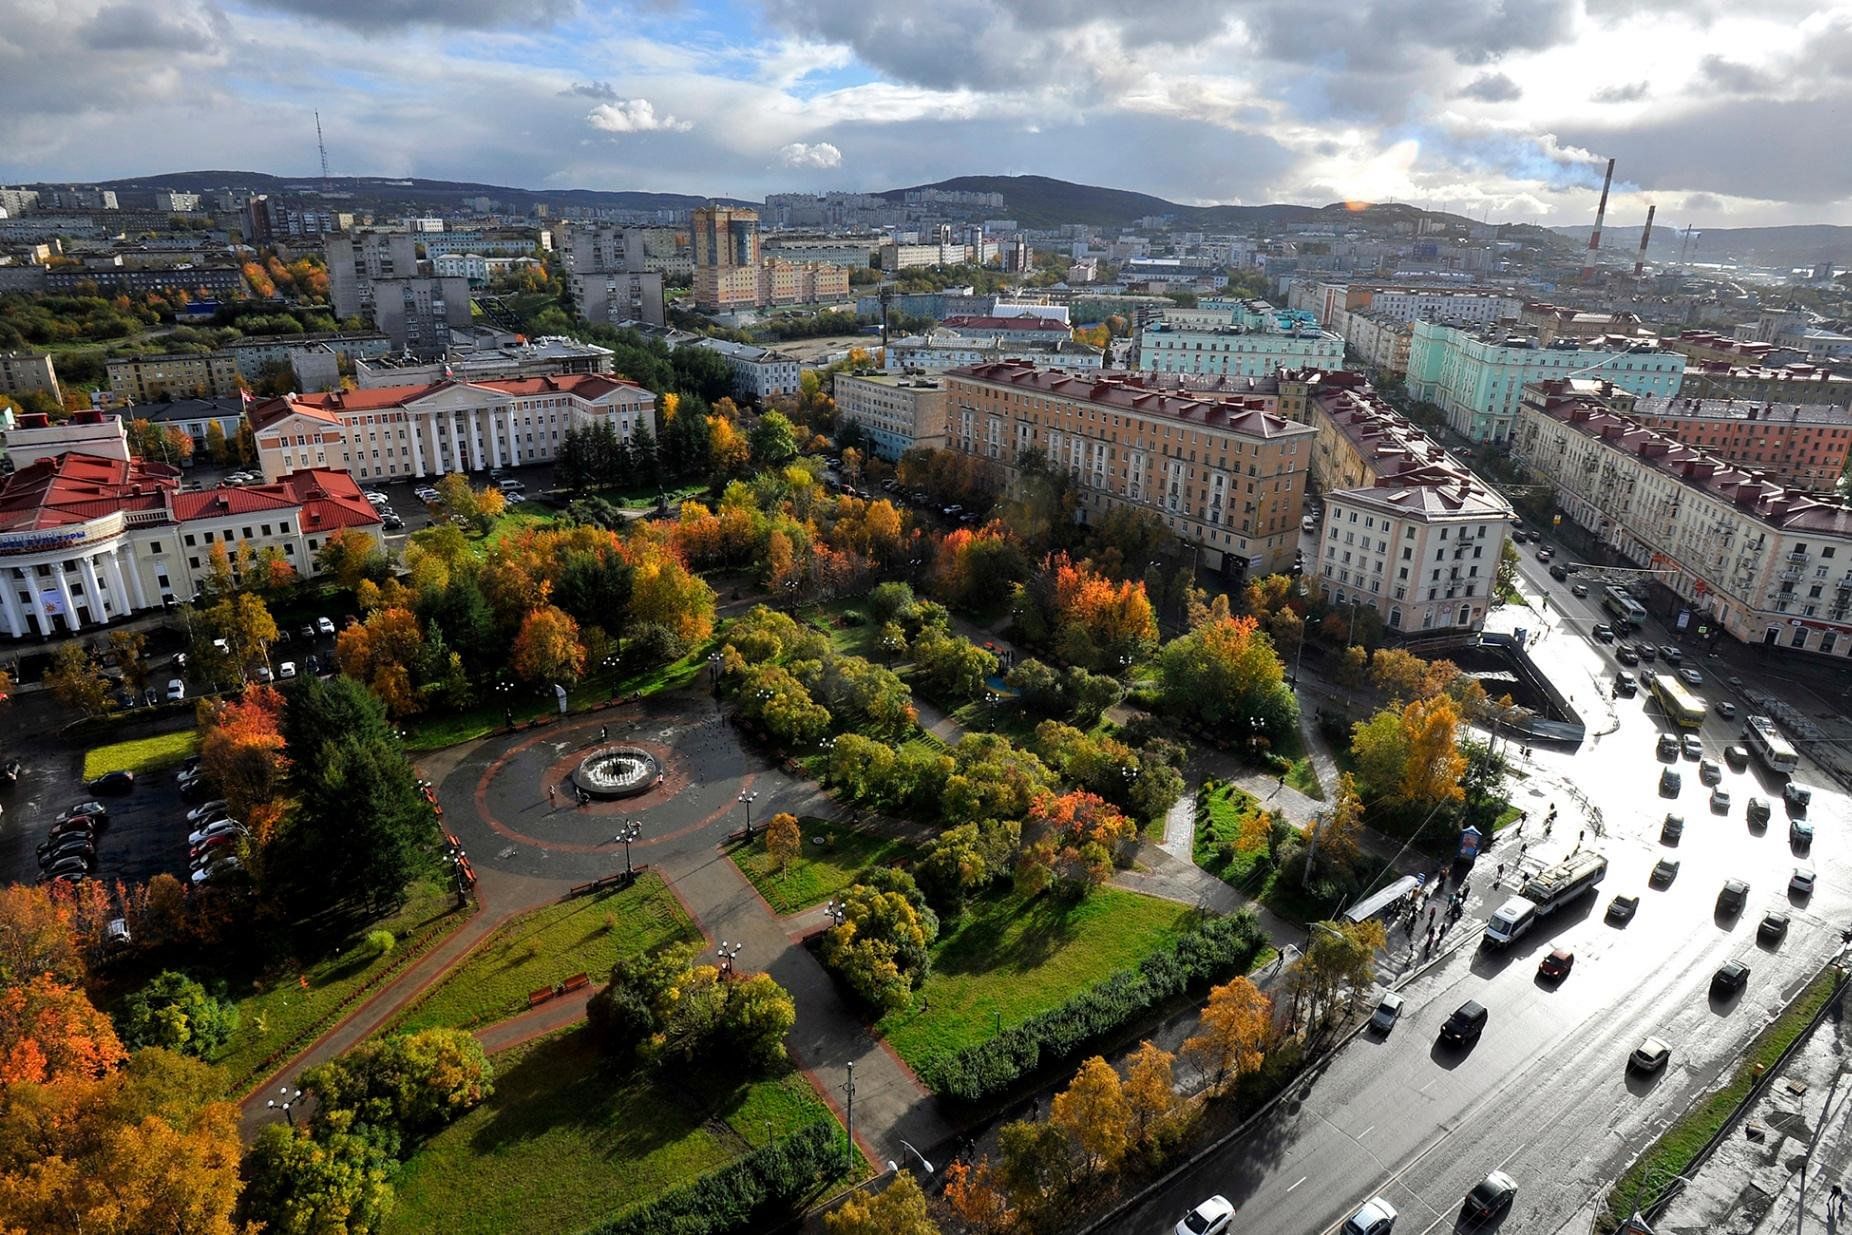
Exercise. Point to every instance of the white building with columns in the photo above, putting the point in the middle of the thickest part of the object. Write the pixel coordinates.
(394, 432)
(86, 540)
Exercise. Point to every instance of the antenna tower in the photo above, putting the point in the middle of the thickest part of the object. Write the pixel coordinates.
(321, 145)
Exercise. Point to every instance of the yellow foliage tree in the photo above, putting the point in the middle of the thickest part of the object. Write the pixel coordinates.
(1434, 766)
(783, 840)
(898, 1209)
(1149, 1093)
(1232, 1038)
(1094, 1112)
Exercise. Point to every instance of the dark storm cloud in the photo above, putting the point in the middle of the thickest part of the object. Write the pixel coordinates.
(1492, 88)
(454, 14)
(1735, 77)
(1759, 148)
(132, 27)
(603, 91)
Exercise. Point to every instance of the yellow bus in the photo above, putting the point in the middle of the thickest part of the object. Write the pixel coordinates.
(1685, 709)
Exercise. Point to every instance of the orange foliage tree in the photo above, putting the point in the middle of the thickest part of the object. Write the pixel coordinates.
(548, 649)
(50, 1031)
(1072, 841)
(37, 936)
(241, 750)
(380, 652)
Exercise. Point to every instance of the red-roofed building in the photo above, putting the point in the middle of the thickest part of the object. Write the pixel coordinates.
(1009, 329)
(86, 540)
(395, 432)
(1223, 471)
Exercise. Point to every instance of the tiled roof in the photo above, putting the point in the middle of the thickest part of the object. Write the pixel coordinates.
(1128, 392)
(75, 488)
(328, 405)
(329, 499)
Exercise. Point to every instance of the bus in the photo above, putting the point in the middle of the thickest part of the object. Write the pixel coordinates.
(1543, 894)
(1685, 709)
(1617, 601)
(1769, 746)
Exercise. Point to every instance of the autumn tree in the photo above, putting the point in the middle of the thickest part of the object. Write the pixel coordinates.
(413, 1083)
(1071, 840)
(128, 647)
(547, 649)
(1094, 1112)
(879, 948)
(241, 751)
(51, 1032)
(1224, 675)
(1434, 765)
(976, 1197)
(315, 1185)
(349, 556)
(175, 1012)
(1150, 1095)
(898, 1209)
(1232, 1035)
(1339, 957)
(36, 937)
(76, 680)
(783, 840)
(1335, 839)
(381, 652)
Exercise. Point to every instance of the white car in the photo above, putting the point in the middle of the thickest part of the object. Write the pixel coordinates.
(1376, 1217)
(263, 674)
(324, 626)
(1690, 676)
(376, 497)
(1801, 883)
(1213, 1217)
(222, 827)
(176, 690)
(287, 669)
(207, 874)
(218, 806)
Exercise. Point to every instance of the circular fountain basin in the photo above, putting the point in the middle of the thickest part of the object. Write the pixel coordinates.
(617, 772)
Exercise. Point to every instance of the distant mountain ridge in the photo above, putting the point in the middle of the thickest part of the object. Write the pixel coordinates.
(411, 189)
(1797, 244)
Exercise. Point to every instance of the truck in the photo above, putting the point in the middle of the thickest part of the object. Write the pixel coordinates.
(1543, 894)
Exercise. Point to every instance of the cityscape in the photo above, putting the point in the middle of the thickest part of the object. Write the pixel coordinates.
(703, 616)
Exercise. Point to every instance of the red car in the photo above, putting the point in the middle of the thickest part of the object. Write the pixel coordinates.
(1555, 967)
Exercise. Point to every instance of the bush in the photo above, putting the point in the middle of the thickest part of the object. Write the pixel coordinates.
(766, 1184)
(381, 942)
(1214, 950)
(175, 1012)
(412, 1084)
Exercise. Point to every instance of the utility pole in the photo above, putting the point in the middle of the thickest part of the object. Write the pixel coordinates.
(850, 1120)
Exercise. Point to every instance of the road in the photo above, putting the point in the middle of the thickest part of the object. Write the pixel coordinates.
(1545, 1095)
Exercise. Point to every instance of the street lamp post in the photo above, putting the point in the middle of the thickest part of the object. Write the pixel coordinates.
(727, 953)
(289, 1099)
(631, 830)
(746, 800)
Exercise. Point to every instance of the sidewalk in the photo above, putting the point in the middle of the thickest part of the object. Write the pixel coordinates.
(829, 1036)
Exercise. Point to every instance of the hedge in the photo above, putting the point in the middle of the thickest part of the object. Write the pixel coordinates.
(767, 1182)
(1212, 951)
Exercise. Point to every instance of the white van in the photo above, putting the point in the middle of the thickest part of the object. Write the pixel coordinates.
(1510, 920)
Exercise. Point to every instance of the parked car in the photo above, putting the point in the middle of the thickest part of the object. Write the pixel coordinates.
(112, 782)
(1729, 979)
(74, 866)
(1556, 966)
(1622, 908)
(94, 809)
(1757, 812)
(57, 848)
(1796, 797)
(1736, 755)
(1388, 1012)
(176, 690)
(85, 825)
(1625, 684)
(214, 830)
(391, 522)
(1670, 782)
(1773, 927)
(1664, 872)
(1672, 830)
(1667, 746)
(324, 626)
(1709, 772)
(206, 874)
(1800, 834)
(1490, 1197)
(1800, 883)
(205, 811)
(1650, 1056)
(1732, 896)
(1213, 1217)
(287, 669)
(1720, 800)
(1692, 746)
(308, 631)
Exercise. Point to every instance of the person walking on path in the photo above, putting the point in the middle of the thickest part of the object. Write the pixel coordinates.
(552, 798)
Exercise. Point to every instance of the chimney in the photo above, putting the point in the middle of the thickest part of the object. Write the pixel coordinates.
(1601, 214)
(1646, 233)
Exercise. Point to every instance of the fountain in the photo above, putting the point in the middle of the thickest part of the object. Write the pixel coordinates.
(617, 772)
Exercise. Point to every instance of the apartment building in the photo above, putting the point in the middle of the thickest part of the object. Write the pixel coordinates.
(394, 432)
(86, 540)
(143, 379)
(484, 357)
(24, 372)
(255, 353)
(1801, 446)
(1407, 528)
(1549, 322)
(1709, 346)
(1401, 302)
(1008, 328)
(1236, 351)
(1770, 565)
(1478, 379)
(420, 314)
(1224, 475)
(1379, 341)
(730, 273)
(758, 373)
(944, 349)
(896, 411)
(1794, 383)
(194, 417)
(356, 260)
(199, 282)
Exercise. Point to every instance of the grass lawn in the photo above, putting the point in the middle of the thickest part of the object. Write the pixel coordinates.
(282, 1011)
(823, 870)
(1011, 958)
(1228, 805)
(1506, 817)
(569, 1140)
(1303, 777)
(516, 519)
(588, 934)
(1672, 1153)
(437, 732)
(140, 754)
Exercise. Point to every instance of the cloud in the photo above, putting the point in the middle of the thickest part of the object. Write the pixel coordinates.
(1706, 203)
(633, 116)
(127, 27)
(452, 14)
(1492, 88)
(591, 90)
(1627, 92)
(1735, 77)
(810, 155)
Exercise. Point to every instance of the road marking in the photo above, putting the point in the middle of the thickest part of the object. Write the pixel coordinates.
(1302, 1179)
(1366, 1131)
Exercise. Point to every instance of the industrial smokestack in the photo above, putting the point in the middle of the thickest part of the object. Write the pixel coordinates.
(1646, 234)
(1601, 213)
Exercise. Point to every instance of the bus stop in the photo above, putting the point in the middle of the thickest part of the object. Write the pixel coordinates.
(1373, 905)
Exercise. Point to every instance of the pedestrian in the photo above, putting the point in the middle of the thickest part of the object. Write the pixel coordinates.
(552, 797)
(604, 732)
(1521, 850)
(1580, 837)
(1836, 1203)
(1498, 876)
(1549, 825)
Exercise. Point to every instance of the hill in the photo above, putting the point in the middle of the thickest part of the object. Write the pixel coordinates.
(1800, 244)
(374, 191)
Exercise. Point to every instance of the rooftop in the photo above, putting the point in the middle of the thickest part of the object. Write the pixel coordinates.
(74, 488)
(1771, 503)
(1414, 472)
(991, 324)
(330, 404)
(1744, 409)
(741, 351)
(222, 407)
(1129, 392)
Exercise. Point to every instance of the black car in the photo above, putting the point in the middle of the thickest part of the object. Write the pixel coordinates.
(392, 522)
(1603, 632)
(112, 782)
(1465, 1025)
(1626, 655)
(1646, 652)
(10, 770)
(1728, 980)
(57, 848)
(1490, 1197)
(72, 866)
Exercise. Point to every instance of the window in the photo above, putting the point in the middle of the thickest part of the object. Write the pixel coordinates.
(189, 540)
(1800, 638)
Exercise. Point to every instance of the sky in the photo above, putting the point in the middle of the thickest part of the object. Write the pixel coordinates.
(1721, 114)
